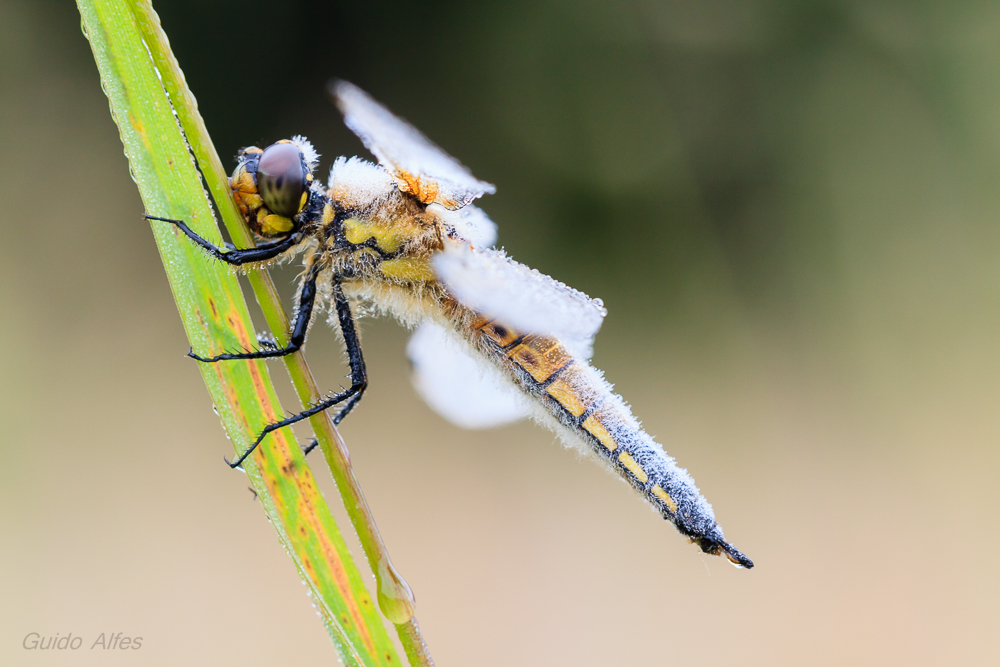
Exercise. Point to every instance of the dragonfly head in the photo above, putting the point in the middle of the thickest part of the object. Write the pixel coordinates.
(272, 185)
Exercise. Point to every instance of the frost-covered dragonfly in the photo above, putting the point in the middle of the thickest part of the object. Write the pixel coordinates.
(494, 340)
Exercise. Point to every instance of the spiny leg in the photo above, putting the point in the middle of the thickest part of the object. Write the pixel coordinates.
(307, 299)
(260, 253)
(351, 402)
(236, 257)
(359, 377)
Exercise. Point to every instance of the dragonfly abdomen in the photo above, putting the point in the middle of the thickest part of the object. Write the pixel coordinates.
(581, 400)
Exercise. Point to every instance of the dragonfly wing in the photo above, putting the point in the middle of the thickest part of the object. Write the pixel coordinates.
(416, 164)
(464, 390)
(470, 223)
(522, 298)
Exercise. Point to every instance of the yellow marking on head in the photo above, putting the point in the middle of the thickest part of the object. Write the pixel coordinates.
(303, 200)
(388, 239)
(412, 270)
(245, 192)
(566, 395)
(665, 498)
(633, 467)
(243, 181)
(596, 429)
(274, 224)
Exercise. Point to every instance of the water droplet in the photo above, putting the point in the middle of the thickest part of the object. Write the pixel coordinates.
(395, 598)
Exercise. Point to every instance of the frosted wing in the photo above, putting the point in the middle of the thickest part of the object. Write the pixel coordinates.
(470, 223)
(416, 164)
(522, 298)
(465, 391)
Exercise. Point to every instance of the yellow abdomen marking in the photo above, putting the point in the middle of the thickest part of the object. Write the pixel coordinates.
(499, 334)
(479, 321)
(665, 497)
(562, 390)
(596, 429)
(633, 467)
(540, 356)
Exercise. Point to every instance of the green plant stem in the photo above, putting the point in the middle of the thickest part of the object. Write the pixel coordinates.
(213, 311)
(394, 595)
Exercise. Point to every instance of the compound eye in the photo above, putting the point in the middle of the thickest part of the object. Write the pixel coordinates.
(281, 179)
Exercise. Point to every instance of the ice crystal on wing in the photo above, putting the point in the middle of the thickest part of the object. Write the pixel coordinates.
(522, 298)
(464, 390)
(471, 223)
(404, 151)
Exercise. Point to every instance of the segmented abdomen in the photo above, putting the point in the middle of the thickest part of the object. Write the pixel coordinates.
(575, 394)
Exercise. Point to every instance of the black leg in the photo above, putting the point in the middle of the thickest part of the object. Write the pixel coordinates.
(351, 402)
(354, 400)
(359, 378)
(307, 299)
(236, 257)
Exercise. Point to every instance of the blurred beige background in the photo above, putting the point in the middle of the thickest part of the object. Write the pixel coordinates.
(790, 210)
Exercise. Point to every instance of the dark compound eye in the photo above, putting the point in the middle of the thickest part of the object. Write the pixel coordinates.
(280, 178)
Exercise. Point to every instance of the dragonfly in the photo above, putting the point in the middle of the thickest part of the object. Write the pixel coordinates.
(494, 340)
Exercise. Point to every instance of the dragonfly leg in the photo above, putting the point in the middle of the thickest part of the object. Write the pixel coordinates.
(307, 299)
(236, 257)
(351, 402)
(359, 377)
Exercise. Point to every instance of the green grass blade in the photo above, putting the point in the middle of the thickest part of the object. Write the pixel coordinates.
(394, 595)
(215, 317)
